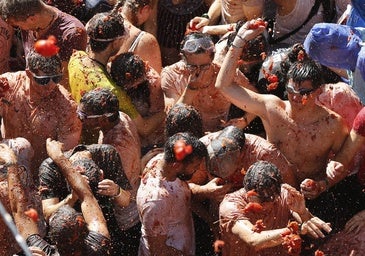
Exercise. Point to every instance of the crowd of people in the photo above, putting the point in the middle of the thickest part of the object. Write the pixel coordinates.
(180, 127)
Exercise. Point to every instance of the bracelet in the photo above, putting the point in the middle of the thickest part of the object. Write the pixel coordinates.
(118, 194)
(243, 39)
(192, 88)
(205, 15)
(238, 47)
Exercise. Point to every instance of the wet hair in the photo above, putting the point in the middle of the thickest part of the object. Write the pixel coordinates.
(48, 65)
(306, 70)
(199, 150)
(223, 151)
(20, 10)
(197, 35)
(92, 172)
(126, 68)
(100, 101)
(103, 29)
(230, 139)
(184, 118)
(67, 230)
(255, 49)
(263, 176)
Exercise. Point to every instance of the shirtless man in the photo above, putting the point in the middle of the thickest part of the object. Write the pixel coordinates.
(303, 131)
(191, 81)
(35, 106)
(163, 198)
(276, 204)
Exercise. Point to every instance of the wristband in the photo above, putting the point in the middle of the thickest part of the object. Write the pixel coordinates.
(205, 15)
(118, 194)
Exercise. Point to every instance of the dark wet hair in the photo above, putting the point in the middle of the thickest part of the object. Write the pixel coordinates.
(184, 118)
(306, 70)
(126, 68)
(263, 176)
(100, 101)
(198, 148)
(231, 138)
(20, 10)
(48, 65)
(92, 172)
(65, 225)
(103, 29)
(222, 151)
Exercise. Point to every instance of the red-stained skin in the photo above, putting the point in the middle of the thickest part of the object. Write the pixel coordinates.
(318, 253)
(259, 226)
(252, 207)
(257, 24)
(47, 48)
(32, 213)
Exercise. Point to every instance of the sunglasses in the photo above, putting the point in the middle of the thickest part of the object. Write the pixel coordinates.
(83, 116)
(192, 67)
(302, 91)
(44, 80)
(193, 45)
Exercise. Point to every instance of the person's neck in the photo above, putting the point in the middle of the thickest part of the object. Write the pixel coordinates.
(169, 170)
(109, 126)
(99, 57)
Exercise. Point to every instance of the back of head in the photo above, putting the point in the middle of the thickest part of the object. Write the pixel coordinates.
(20, 10)
(263, 177)
(224, 151)
(49, 65)
(196, 43)
(67, 230)
(307, 70)
(104, 28)
(98, 102)
(184, 147)
(184, 118)
(127, 68)
(90, 170)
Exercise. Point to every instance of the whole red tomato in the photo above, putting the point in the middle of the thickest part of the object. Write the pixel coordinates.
(47, 48)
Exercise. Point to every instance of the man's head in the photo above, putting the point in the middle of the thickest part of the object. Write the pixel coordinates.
(89, 168)
(44, 70)
(128, 70)
(184, 118)
(304, 80)
(20, 13)
(185, 149)
(265, 179)
(105, 29)
(225, 152)
(197, 50)
(67, 230)
(98, 105)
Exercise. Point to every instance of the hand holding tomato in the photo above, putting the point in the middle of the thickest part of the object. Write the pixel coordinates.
(48, 47)
(310, 188)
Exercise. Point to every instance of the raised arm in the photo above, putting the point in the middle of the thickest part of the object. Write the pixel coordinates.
(239, 96)
(89, 205)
